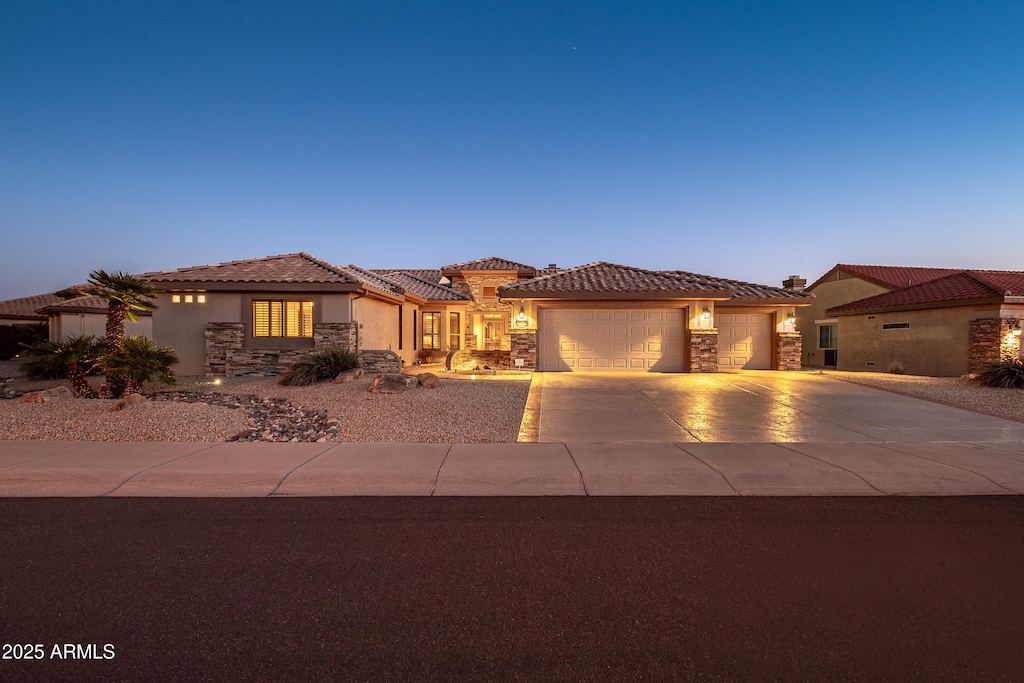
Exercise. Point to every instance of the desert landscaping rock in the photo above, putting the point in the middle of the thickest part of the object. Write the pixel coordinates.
(393, 384)
(429, 380)
(47, 395)
(349, 376)
(130, 400)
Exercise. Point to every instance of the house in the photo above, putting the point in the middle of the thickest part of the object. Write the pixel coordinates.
(87, 315)
(933, 321)
(254, 317)
(25, 310)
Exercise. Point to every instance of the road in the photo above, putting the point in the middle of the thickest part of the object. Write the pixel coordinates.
(530, 589)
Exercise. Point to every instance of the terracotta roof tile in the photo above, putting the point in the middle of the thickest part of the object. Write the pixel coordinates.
(369, 278)
(602, 277)
(432, 291)
(26, 306)
(298, 268)
(962, 286)
(746, 291)
(891, 277)
(489, 263)
(83, 304)
(429, 274)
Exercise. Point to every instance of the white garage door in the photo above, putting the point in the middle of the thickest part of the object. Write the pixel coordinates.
(610, 339)
(744, 340)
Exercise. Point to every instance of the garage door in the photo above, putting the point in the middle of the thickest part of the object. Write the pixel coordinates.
(640, 340)
(744, 340)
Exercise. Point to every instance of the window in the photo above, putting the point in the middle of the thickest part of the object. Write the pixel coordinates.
(895, 326)
(414, 330)
(282, 318)
(432, 331)
(401, 315)
(490, 292)
(454, 331)
(827, 336)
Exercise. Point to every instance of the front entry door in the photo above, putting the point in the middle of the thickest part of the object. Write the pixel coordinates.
(494, 331)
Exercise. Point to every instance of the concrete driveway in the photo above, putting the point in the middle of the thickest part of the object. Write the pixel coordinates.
(746, 406)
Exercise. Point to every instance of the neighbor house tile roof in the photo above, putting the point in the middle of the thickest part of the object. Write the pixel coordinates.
(26, 307)
(297, 268)
(489, 263)
(425, 289)
(82, 304)
(890, 277)
(428, 274)
(369, 278)
(747, 291)
(960, 287)
(601, 277)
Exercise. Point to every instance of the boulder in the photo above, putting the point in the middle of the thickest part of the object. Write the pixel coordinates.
(393, 384)
(349, 376)
(130, 400)
(55, 394)
(429, 380)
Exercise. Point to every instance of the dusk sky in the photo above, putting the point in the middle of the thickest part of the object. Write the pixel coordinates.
(751, 140)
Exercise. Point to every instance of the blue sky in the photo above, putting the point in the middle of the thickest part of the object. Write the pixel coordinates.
(750, 140)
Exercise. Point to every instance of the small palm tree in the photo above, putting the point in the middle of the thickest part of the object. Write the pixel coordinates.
(71, 357)
(125, 294)
(139, 361)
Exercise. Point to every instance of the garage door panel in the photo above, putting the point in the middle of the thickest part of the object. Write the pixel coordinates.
(744, 340)
(635, 340)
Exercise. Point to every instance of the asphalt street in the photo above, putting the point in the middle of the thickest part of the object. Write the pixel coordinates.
(572, 589)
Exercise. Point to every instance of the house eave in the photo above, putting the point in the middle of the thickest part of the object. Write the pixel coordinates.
(615, 296)
(312, 287)
(956, 303)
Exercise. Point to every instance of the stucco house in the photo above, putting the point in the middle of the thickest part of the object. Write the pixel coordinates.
(254, 317)
(26, 310)
(933, 321)
(87, 315)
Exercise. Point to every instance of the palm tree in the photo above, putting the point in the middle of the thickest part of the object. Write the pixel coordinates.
(139, 361)
(125, 294)
(71, 357)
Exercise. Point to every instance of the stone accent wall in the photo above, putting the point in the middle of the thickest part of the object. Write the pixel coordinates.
(500, 360)
(221, 340)
(788, 351)
(990, 341)
(703, 347)
(379, 362)
(329, 335)
(524, 345)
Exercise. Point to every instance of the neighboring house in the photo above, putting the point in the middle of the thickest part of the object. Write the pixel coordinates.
(85, 315)
(933, 321)
(254, 317)
(25, 310)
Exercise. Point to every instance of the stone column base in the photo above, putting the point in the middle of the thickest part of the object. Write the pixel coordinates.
(703, 350)
(788, 351)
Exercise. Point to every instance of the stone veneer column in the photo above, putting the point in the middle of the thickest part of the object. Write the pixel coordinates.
(788, 349)
(990, 341)
(221, 340)
(524, 345)
(703, 345)
(330, 335)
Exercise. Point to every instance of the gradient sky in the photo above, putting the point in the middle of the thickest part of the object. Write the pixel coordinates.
(750, 140)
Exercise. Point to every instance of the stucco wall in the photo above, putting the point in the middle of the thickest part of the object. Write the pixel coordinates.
(827, 295)
(183, 326)
(378, 323)
(936, 343)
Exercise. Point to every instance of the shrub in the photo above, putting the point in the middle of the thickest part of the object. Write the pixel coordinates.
(52, 359)
(897, 368)
(140, 360)
(320, 366)
(1008, 374)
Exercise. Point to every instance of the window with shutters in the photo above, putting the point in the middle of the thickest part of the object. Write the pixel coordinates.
(431, 331)
(281, 318)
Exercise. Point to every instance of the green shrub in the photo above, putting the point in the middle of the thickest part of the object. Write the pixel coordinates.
(320, 366)
(50, 360)
(139, 361)
(897, 368)
(1005, 375)
(14, 338)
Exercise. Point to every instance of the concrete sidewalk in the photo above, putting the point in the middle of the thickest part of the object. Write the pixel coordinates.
(54, 468)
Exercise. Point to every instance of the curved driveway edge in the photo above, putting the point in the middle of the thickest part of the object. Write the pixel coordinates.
(64, 469)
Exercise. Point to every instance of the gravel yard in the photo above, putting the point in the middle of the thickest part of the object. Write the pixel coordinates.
(459, 411)
(955, 391)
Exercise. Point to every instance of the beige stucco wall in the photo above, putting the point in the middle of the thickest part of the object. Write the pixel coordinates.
(183, 326)
(67, 325)
(378, 323)
(936, 343)
(826, 295)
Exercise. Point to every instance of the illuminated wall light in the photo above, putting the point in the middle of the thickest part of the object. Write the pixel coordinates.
(188, 298)
(201, 298)
(175, 298)
(791, 318)
(706, 313)
(522, 312)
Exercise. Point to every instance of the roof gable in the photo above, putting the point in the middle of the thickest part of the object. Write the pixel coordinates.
(602, 277)
(890, 277)
(297, 268)
(960, 287)
(26, 306)
(490, 263)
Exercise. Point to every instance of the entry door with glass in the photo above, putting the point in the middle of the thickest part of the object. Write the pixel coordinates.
(494, 331)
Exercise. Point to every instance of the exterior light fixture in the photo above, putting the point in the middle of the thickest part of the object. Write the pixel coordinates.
(522, 312)
(1015, 328)
(706, 313)
(791, 318)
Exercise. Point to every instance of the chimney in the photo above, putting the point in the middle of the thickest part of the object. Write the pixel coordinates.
(795, 283)
(552, 265)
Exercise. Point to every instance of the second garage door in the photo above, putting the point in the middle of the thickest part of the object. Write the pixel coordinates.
(610, 339)
(744, 340)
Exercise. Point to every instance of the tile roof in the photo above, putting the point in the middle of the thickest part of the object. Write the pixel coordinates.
(960, 287)
(297, 268)
(82, 304)
(747, 291)
(26, 306)
(489, 263)
(428, 274)
(890, 277)
(369, 278)
(601, 277)
(425, 288)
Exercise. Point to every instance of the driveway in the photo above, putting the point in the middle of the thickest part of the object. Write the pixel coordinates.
(745, 406)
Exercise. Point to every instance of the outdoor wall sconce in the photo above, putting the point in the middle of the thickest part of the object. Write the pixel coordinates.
(706, 313)
(1015, 328)
(791, 318)
(522, 313)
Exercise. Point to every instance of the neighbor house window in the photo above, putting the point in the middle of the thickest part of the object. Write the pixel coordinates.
(895, 326)
(432, 331)
(279, 318)
(827, 336)
(454, 331)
